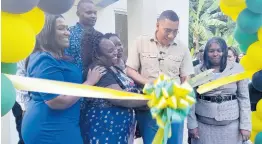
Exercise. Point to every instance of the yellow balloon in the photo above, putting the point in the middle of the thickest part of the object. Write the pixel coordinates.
(233, 2)
(232, 11)
(234, 16)
(36, 18)
(248, 65)
(253, 136)
(254, 53)
(259, 109)
(259, 33)
(256, 122)
(18, 38)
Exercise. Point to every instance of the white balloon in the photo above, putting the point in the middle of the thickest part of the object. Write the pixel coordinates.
(18, 6)
(56, 6)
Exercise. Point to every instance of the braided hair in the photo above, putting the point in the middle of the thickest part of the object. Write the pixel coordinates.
(90, 48)
(109, 35)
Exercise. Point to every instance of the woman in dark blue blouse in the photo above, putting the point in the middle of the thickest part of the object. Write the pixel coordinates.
(54, 118)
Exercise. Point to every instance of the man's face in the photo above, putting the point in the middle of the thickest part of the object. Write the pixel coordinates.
(167, 31)
(87, 14)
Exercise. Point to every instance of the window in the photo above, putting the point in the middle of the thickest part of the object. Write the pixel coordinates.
(121, 29)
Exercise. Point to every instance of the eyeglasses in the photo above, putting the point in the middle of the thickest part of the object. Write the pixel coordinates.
(170, 31)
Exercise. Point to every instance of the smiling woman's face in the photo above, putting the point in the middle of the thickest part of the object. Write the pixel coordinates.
(61, 33)
(117, 42)
(108, 52)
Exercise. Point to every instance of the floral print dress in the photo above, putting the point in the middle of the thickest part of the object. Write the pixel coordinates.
(104, 123)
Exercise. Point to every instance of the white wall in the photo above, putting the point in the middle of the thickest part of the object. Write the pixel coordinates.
(105, 17)
(70, 16)
(9, 134)
(5, 129)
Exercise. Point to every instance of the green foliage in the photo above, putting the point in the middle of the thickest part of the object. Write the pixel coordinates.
(206, 21)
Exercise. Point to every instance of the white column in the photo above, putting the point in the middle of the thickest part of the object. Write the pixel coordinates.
(142, 16)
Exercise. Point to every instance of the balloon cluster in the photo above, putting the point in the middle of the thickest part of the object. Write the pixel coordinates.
(256, 134)
(169, 103)
(257, 115)
(257, 81)
(248, 33)
(21, 21)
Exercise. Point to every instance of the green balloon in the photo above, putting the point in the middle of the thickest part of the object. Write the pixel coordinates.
(244, 38)
(8, 95)
(9, 68)
(243, 48)
(258, 139)
(249, 22)
(254, 5)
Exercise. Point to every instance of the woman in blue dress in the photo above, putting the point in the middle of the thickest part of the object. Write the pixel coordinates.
(54, 118)
(107, 121)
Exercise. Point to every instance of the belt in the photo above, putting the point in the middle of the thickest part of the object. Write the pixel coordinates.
(217, 99)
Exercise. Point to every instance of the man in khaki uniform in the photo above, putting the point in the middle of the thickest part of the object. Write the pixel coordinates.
(156, 54)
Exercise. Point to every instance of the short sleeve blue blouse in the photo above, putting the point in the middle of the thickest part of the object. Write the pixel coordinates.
(41, 124)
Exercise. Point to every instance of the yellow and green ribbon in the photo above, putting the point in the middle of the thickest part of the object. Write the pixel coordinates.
(223, 81)
(72, 89)
(170, 102)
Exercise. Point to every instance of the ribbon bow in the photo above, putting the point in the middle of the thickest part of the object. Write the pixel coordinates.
(170, 102)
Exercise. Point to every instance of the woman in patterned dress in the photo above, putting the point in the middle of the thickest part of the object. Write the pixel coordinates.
(107, 121)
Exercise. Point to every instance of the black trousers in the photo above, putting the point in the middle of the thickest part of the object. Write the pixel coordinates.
(18, 114)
